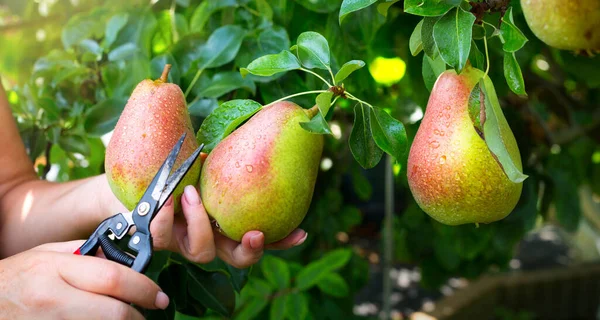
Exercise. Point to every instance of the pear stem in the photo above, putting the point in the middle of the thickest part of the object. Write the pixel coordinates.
(165, 74)
(312, 111)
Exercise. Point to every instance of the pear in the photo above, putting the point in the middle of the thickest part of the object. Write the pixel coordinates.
(262, 176)
(568, 25)
(451, 173)
(151, 123)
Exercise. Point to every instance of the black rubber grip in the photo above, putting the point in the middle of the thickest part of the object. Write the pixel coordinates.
(112, 252)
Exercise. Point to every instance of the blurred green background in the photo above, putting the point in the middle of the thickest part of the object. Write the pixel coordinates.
(69, 67)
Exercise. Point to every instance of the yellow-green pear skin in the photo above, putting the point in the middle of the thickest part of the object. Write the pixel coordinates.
(151, 123)
(568, 25)
(262, 176)
(452, 174)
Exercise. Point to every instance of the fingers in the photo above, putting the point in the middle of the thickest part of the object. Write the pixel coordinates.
(296, 238)
(65, 247)
(83, 304)
(194, 234)
(109, 278)
(162, 227)
(240, 255)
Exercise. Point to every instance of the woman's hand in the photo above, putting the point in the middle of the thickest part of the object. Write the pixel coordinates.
(191, 234)
(50, 282)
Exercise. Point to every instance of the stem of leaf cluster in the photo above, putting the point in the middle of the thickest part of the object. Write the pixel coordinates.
(318, 76)
(193, 82)
(299, 94)
(489, 24)
(332, 77)
(349, 95)
(334, 100)
(487, 56)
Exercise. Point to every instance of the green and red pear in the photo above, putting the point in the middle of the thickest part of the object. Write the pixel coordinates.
(262, 176)
(568, 25)
(451, 173)
(151, 123)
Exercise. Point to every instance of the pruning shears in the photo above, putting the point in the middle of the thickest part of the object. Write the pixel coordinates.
(116, 227)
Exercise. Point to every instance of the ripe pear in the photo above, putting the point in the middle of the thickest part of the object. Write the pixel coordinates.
(151, 123)
(262, 176)
(568, 25)
(451, 173)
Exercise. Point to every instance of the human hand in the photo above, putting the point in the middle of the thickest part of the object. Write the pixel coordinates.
(50, 282)
(191, 234)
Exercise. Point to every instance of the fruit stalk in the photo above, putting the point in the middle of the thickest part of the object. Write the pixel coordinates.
(165, 74)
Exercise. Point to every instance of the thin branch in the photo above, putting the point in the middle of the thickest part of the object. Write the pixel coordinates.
(48, 164)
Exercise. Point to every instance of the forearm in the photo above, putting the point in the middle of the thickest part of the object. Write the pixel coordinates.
(36, 212)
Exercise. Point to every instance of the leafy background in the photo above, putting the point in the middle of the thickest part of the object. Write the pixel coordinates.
(71, 65)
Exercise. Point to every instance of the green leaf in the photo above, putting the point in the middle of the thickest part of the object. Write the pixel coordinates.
(276, 271)
(278, 308)
(251, 308)
(297, 306)
(383, 8)
(221, 47)
(102, 117)
(432, 70)
(476, 57)
(334, 285)
(202, 107)
(265, 9)
(74, 144)
(452, 35)
(314, 271)
(84, 25)
(323, 101)
(205, 10)
(512, 38)
(362, 145)
(123, 52)
(271, 64)
(347, 69)
(415, 43)
(388, 133)
(349, 6)
(427, 8)
(223, 120)
(513, 75)
(211, 289)
(92, 47)
(313, 50)
(114, 25)
(497, 133)
(317, 124)
(51, 109)
(429, 45)
(321, 6)
(222, 83)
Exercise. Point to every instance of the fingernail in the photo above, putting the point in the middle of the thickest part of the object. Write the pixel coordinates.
(256, 241)
(301, 241)
(162, 300)
(191, 196)
(169, 201)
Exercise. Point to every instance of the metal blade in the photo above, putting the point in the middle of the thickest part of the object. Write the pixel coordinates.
(159, 181)
(177, 176)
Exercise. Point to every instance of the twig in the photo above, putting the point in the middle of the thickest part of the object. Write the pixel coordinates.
(48, 164)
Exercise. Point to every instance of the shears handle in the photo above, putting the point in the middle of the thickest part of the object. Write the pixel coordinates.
(117, 224)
